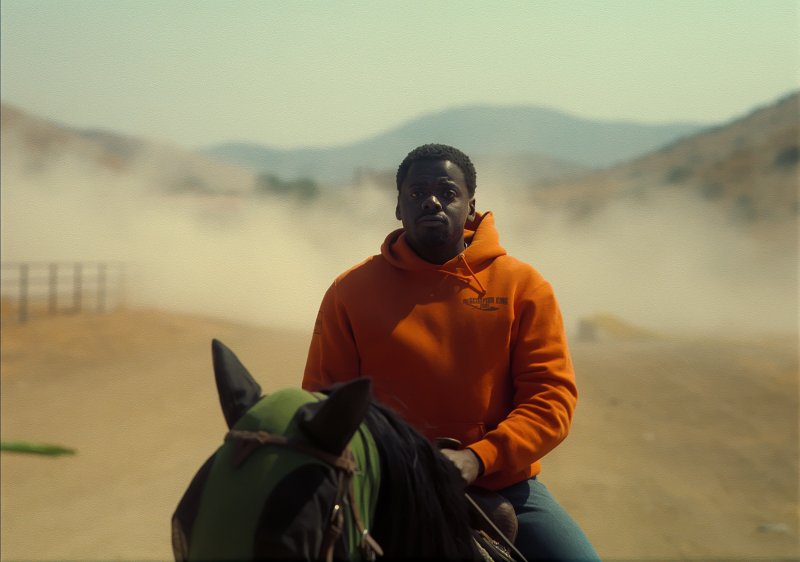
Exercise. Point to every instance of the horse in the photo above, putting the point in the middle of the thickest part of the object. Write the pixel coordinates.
(323, 476)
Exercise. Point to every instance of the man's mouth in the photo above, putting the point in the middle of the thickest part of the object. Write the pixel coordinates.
(432, 219)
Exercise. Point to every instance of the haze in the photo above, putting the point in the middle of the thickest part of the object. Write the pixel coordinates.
(670, 264)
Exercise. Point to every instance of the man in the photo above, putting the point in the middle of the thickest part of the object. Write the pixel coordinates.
(461, 340)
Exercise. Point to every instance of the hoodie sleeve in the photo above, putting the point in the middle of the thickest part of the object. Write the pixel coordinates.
(332, 355)
(543, 384)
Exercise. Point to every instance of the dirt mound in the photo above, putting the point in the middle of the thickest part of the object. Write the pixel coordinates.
(610, 326)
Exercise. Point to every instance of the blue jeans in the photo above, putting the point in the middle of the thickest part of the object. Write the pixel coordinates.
(546, 531)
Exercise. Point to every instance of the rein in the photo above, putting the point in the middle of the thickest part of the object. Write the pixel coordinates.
(345, 465)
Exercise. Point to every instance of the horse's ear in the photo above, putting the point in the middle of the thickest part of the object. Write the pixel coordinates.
(238, 391)
(331, 423)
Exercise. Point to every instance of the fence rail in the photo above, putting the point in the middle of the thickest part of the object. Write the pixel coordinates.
(61, 287)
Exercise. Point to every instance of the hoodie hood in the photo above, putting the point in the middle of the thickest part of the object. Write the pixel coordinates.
(480, 234)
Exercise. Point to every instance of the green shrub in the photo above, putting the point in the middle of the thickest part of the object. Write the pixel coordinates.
(303, 188)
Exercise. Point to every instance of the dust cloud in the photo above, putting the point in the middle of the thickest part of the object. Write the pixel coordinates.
(671, 263)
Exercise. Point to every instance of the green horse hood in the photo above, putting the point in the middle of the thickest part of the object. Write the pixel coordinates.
(297, 475)
(280, 485)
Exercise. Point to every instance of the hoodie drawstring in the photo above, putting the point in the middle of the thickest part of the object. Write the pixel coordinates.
(471, 273)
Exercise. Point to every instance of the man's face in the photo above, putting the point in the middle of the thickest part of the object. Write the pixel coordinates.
(434, 204)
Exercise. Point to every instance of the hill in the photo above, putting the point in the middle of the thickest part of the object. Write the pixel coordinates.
(41, 151)
(748, 169)
(480, 131)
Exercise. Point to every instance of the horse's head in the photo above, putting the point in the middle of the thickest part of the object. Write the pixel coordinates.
(297, 475)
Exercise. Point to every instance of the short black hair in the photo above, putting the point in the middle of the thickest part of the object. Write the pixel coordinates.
(439, 152)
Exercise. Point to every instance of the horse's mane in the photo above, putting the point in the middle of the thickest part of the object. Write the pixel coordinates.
(422, 511)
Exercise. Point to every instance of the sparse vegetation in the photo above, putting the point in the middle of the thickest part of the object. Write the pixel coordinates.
(303, 188)
(191, 184)
(678, 174)
(712, 190)
(580, 210)
(787, 157)
(744, 208)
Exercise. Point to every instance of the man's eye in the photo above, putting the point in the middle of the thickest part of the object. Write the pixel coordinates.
(450, 194)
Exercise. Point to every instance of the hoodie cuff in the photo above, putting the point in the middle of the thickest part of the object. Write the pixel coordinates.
(486, 453)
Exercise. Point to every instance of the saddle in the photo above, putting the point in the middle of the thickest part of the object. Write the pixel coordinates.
(500, 518)
(492, 517)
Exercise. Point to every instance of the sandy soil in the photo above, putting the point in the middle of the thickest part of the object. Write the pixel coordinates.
(680, 449)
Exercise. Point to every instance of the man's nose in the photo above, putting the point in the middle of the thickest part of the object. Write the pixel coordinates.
(431, 203)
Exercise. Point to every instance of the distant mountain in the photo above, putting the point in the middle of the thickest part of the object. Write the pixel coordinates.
(478, 130)
(508, 170)
(748, 168)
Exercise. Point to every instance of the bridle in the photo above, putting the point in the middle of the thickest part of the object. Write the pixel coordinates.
(344, 465)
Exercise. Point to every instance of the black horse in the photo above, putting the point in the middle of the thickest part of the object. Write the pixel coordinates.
(321, 476)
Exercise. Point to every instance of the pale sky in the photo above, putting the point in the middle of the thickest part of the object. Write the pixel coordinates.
(291, 74)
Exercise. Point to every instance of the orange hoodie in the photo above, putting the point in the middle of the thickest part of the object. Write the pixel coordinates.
(473, 349)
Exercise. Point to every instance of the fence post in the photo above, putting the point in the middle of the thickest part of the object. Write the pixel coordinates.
(23, 292)
(101, 287)
(77, 286)
(53, 290)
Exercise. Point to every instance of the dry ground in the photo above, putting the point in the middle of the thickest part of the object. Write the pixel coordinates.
(680, 449)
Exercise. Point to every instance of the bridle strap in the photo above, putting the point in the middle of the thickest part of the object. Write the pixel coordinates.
(252, 440)
(369, 546)
(336, 522)
(248, 441)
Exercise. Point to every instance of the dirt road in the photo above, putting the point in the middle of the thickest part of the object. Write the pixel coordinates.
(680, 449)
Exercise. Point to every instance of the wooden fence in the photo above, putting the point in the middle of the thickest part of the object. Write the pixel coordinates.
(30, 288)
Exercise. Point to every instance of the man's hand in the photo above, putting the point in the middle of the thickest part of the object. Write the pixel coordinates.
(466, 462)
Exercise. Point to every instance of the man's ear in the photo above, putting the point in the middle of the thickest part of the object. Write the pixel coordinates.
(397, 212)
(471, 215)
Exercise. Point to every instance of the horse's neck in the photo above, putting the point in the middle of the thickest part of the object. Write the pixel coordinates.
(422, 512)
